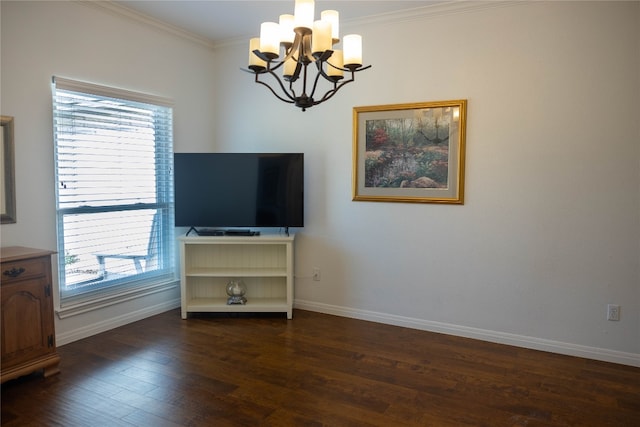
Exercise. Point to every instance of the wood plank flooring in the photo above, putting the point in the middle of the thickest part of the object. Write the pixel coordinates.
(314, 370)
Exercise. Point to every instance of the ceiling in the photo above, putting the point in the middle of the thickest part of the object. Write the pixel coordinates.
(219, 20)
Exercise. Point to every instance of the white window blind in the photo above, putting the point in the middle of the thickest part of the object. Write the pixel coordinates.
(114, 190)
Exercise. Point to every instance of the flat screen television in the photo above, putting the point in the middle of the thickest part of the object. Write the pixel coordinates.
(239, 190)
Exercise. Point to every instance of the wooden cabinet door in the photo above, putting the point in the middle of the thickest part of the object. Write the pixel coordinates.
(27, 327)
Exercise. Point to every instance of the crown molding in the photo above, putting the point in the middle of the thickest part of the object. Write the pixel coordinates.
(124, 11)
(447, 7)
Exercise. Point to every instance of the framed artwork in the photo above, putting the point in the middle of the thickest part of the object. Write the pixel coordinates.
(7, 176)
(410, 152)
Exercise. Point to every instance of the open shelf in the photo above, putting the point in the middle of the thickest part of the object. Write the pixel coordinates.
(234, 272)
(264, 263)
(252, 305)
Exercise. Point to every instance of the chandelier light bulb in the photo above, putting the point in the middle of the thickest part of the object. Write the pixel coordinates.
(270, 39)
(352, 46)
(304, 12)
(289, 68)
(287, 34)
(254, 61)
(333, 17)
(337, 61)
(321, 37)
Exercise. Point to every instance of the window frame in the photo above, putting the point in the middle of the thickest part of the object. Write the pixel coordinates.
(98, 295)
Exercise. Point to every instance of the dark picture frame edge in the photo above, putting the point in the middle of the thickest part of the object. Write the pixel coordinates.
(8, 214)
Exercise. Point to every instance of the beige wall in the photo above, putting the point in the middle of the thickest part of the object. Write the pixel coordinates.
(87, 43)
(550, 230)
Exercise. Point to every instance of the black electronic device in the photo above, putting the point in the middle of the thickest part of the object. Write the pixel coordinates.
(241, 233)
(207, 232)
(238, 190)
(217, 232)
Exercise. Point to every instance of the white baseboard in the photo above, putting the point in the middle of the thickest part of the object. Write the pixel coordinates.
(631, 359)
(108, 324)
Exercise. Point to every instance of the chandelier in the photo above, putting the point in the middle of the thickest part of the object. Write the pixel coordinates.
(304, 42)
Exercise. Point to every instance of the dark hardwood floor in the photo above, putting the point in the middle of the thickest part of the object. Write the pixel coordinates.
(315, 370)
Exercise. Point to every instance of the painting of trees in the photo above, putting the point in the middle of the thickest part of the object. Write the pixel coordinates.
(409, 152)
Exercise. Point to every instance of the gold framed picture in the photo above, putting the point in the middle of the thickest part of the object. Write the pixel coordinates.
(410, 152)
(7, 176)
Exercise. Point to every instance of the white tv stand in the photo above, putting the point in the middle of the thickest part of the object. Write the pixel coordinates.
(264, 263)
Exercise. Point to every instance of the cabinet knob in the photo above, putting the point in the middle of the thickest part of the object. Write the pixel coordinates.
(14, 272)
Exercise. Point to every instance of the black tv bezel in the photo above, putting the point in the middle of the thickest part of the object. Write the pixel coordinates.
(235, 227)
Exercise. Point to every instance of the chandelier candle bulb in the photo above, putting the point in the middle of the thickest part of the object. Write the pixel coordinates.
(333, 17)
(270, 39)
(321, 37)
(304, 12)
(289, 67)
(352, 46)
(254, 61)
(287, 34)
(337, 61)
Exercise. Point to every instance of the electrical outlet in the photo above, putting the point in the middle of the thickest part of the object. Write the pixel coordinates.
(316, 274)
(613, 312)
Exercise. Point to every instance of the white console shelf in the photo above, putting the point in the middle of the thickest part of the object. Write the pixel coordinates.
(264, 263)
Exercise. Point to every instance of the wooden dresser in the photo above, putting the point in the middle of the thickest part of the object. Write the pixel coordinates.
(28, 333)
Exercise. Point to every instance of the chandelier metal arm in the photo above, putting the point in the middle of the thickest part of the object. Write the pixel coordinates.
(292, 90)
(290, 50)
(269, 62)
(291, 99)
(304, 101)
(336, 88)
(329, 94)
(315, 81)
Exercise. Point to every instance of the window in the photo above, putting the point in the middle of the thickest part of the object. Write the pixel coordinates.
(114, 192)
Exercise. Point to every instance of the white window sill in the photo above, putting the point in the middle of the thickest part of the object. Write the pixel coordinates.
(107, 299)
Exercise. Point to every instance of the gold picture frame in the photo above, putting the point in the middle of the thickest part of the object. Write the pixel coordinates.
(8, 185)
(410, 152)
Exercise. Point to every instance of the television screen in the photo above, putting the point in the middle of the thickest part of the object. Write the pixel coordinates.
(239, 189)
